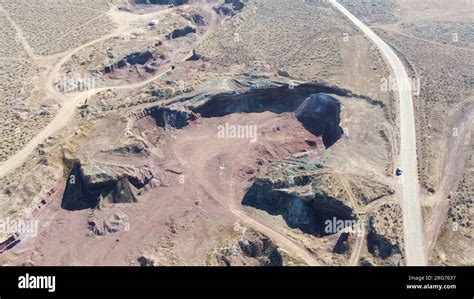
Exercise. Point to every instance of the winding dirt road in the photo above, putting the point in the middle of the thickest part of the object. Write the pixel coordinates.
(412, 218)
(71, 100)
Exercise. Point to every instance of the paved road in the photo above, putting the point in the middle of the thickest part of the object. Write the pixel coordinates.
(412, 217)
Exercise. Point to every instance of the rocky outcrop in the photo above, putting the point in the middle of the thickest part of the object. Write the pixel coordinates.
(230, 7)
(180, 32)
(379, 245)
(306, 205)
(171, 118)
(343, 244)
(365, 263)
(89, 188)
(384, 238)
(196, 56)
(145, 261)
(131, 149)
(253, 249)
(319, 113)
(137, 58)
(198, 19)
(367, 190)
(102, 224)
(261, 246)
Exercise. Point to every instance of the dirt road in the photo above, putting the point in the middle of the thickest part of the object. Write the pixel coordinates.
(412, 217)
(19, 34)
(196, 150)
(72, 100)
(359, 242)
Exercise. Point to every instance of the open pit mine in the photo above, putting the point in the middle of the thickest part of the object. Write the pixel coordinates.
(233, 133)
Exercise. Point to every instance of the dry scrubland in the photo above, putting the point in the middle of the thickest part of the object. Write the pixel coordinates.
(454, 33)
(455, 245)
(372, 11)
(385, 235)
(270, 35)
(15, 73)
(53, 27)
(445, 76)
(48, 27)
(11, 44)
(438, 48)
(20, 119)
(435, 39)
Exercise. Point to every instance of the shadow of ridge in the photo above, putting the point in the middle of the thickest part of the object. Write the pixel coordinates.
(308, 214)
(85, 192)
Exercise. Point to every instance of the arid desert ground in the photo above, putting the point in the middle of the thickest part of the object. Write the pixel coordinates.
(236, 132)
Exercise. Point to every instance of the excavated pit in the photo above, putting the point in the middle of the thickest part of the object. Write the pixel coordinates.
(311, 104)
(278, 111)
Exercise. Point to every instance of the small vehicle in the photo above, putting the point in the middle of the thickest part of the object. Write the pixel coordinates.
(153, 23)
(398, 172)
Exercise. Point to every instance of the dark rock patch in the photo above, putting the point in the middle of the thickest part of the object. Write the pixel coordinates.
(196, 56)
(89, 191)
(342, 245)
(254, 249)
(379, 246)
(230, 7)
(308, 214)
(198, 19)
(259, 247)
(320, 114)
(169, 118)
(180, 32)
(138, 58)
